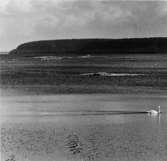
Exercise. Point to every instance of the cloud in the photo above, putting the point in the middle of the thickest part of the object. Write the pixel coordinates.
(29, 20)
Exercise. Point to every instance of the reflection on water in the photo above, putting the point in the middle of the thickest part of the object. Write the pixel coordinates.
(74, 144)
(113, 130)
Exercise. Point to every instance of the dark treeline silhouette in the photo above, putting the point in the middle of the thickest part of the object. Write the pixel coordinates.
(92, 47)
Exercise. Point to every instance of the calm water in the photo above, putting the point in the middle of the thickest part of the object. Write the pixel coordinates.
(97, 127)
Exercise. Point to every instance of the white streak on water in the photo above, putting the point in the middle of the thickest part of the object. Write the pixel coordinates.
(110, 74)
(47, 58)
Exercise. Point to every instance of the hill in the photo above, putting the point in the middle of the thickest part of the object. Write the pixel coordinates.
(91, 46)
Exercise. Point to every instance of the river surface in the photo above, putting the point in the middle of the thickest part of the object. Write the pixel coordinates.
(87, 127)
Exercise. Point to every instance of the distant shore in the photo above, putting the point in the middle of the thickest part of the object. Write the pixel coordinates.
(69, 47)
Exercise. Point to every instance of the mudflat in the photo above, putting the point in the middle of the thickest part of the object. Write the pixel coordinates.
(131, 73)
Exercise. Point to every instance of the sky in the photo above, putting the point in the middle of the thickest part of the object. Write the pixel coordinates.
(29, 20)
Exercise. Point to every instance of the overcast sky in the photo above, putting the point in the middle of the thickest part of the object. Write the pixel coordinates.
(27, 20)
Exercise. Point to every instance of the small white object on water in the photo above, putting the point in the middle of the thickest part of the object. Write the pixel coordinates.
(154, 112)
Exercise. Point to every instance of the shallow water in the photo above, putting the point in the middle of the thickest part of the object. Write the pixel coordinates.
(97, 127)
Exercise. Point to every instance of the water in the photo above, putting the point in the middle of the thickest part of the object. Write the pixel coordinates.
(90, 127)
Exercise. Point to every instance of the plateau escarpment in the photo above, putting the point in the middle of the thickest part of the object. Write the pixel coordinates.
(91, 46)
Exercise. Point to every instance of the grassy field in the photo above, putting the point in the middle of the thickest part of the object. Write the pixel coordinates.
(64, 75)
